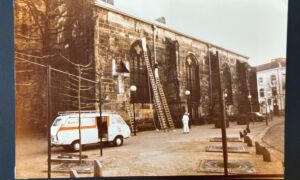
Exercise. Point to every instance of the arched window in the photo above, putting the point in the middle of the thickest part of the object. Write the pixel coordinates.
(242, 87)
(139, 73)
(227, 84)
(192, 78)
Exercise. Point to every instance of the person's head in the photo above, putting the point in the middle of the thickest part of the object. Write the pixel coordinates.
(186, 113)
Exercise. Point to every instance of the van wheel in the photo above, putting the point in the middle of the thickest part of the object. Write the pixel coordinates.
(118, 141)
(75, 146)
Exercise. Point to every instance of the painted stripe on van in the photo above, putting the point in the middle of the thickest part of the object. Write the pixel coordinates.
(76, 127)
(105, 118)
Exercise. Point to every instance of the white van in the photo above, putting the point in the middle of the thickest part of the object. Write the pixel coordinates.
(65, 129)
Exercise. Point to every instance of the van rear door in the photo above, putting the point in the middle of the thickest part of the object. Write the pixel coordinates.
(89, 130)
(102, 125)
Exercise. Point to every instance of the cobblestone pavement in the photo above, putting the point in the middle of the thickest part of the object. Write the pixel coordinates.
(152, 153)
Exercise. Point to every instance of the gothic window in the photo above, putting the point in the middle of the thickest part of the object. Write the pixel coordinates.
(173, 59)
(227, 84)
(192, 75)
(139, 74)
(243, 91)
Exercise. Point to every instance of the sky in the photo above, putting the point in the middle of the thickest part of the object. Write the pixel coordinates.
(254, 28)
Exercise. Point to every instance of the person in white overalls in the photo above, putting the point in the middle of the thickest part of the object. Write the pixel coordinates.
(185, 122)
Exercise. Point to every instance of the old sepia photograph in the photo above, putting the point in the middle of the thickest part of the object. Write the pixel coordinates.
(144, 88)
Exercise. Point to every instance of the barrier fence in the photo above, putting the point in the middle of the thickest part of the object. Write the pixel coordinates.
(53, 83)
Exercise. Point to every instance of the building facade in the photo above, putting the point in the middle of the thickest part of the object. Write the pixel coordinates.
(111, 40)
(184, 63)
(271, 86)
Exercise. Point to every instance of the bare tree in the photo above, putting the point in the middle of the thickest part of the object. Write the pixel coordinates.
(47, 31)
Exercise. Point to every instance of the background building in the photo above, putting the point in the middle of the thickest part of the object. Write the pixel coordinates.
(96, 33)
(271, 85)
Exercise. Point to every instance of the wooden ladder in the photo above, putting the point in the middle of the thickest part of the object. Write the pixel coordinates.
(165, 103)
(130, 114)
(157, 99)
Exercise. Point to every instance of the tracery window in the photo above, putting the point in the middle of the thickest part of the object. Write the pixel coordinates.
(139, 74)
(192, 75)
(227, 84)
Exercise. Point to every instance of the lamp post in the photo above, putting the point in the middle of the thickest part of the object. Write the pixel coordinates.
(187, 93)
(250, 98)
(267, 118)
(133, 90)
(225, 100)
(249, 90)
(100, 119)
(270, 104)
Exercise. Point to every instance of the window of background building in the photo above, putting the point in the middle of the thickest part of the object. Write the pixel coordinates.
(262, 93)
(273, 79)
(260, 81)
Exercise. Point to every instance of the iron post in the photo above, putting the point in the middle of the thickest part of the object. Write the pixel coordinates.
(49, 119)
(223, 120)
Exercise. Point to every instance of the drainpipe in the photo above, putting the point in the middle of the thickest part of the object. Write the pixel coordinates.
(177, 61)
(155, 65)
(154, 43)
(210, 73)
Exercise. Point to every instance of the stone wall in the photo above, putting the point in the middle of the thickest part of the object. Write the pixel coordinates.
(109, 42)
(114, 34)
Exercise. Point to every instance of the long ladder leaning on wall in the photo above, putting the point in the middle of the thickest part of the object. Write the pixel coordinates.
(164, 103)
(160, 101)
(129, 111)
(130, 114)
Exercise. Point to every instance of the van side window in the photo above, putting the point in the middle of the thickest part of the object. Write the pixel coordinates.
(88, 121)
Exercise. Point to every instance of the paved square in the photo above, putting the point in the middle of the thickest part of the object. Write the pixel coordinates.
(85, 167)
(230, 149)
(229, 139)
(234, 166)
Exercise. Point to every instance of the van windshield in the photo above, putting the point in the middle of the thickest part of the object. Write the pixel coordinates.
(57, 122)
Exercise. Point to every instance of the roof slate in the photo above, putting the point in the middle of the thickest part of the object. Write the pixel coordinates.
(271, 65)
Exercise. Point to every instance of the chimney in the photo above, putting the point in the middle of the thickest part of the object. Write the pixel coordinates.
(161, 20)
